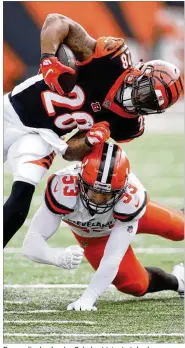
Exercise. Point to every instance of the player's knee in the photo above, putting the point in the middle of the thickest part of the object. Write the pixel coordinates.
(29, 158)
(137, 288)
(178, 226)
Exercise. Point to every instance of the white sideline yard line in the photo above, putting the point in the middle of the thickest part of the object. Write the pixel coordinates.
(137, 250)
(49, 322)
(16, 302)
(39, 311)
(46, 286)
(94, 335)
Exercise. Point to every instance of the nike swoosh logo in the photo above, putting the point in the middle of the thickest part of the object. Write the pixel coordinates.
(137, 204)
(55, 188)
(48, 72)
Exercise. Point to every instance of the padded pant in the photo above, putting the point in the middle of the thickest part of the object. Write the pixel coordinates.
(132, 278)
(162, 221)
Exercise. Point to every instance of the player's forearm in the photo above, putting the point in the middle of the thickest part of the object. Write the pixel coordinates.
(58, 28)
(42, 227)
(102, 279)
(37, 249)
(77, 148)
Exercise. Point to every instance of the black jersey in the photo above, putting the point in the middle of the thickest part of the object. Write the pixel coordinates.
(39, 107)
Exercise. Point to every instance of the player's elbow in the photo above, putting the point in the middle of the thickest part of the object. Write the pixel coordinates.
(25, 249)
(55, 18)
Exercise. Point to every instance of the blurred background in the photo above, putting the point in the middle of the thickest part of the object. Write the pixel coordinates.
(152, 29)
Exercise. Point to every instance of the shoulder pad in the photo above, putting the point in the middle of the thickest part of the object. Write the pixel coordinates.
(132, 203)
(108, 45)
(61, 193)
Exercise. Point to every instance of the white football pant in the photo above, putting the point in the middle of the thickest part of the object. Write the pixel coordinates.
(22, 146)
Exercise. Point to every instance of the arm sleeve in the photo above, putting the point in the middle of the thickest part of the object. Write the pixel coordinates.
(43, 225)
(116, 247)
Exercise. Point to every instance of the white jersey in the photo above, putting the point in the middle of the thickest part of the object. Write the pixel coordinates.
(62, 197)
(63, 202)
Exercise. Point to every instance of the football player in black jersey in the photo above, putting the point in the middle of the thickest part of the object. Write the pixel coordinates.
(108, 90)
(114, 90)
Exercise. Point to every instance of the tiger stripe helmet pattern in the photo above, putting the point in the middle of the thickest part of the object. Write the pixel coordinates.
(154, 87)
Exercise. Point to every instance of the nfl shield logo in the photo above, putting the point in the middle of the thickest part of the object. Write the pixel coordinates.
(84, 243)
(130, 229)
(96, 106)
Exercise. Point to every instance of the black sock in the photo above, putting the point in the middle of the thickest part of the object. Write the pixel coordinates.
(16, 209)
(160, 280)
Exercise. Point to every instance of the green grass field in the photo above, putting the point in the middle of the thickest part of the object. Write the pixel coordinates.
(36, 296)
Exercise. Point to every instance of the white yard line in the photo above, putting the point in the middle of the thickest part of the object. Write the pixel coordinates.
(49, 322)
(45, 286)
(94, 335)
(137, 250)
(16, 302)
(41, 311)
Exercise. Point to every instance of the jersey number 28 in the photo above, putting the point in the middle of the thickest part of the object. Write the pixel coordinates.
(67, 121)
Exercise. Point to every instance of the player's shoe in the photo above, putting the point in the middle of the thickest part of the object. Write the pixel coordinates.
(178, 272)
(182, 209)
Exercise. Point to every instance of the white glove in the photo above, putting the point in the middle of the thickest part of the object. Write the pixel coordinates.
(85, 302)
(80, 305)
(70, 258)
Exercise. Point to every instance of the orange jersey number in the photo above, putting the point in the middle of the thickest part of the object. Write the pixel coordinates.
(71, 187)
(127, 197)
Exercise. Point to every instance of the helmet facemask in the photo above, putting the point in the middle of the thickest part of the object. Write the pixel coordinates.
(98, 187)
(103, 177)
(144, 97)
(137, 94)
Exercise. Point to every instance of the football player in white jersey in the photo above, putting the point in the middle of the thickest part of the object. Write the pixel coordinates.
(102, 201)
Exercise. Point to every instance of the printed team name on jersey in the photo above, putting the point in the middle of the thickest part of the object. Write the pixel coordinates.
(95, 226)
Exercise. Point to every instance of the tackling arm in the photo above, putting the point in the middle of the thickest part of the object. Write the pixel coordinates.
(81, 143)
(58, 28)
(77, 147)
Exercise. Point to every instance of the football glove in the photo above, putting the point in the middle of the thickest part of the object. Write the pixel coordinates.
(99, 133)
(69, 258)
(51, 69)
(85, 302)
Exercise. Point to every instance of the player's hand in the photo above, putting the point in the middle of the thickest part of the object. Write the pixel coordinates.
(51, 69)
(99, 133)
(70, 258)
(85, 302)
(81, 305)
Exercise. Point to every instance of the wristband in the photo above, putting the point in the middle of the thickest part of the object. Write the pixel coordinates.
(46, 55)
